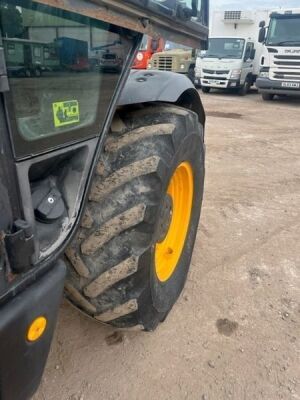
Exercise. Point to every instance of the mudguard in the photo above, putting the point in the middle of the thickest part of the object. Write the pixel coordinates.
(145, 86)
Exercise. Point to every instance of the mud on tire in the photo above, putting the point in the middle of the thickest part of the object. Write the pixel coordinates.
(112, 274)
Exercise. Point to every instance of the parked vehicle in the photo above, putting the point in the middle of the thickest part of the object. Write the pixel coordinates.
(176, 58)
(198, 67)
(232, 60)
(110, 62)
(27, 57)
(73, 54)
(148, 47)
(280, 63)
(31, 58)
(107, 57)
(101, 176)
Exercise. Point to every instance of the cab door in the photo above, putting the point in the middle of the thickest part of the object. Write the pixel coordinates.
(247, 61)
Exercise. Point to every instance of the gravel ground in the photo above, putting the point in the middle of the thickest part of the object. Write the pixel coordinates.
(234, 333)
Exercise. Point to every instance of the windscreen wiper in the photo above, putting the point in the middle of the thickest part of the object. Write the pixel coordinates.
(296, 42)
(211, 56)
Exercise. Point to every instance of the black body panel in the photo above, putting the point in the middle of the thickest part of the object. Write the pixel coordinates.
(22, 363)
(146, 86)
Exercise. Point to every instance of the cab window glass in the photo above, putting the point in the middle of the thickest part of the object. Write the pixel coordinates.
(63, 69)
(11, 49)
(37, 51)
(249, 48)
(198, 9)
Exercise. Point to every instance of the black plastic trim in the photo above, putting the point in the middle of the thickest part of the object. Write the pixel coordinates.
(22, 363)
(144, 86)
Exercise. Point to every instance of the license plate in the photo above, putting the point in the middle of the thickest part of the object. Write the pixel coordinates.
(214, 82)
(293, 85)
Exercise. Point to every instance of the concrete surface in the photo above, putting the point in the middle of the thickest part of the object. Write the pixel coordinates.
(234, 333)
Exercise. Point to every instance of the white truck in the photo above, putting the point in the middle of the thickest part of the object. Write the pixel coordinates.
(280, 62)
(232, 60)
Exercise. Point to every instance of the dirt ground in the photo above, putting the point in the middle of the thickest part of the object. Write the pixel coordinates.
(234, 333)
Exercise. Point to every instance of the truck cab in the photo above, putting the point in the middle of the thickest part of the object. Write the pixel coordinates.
(148, 47)
(228, 64)
(280, 62)
(176, 58)
(233, 56)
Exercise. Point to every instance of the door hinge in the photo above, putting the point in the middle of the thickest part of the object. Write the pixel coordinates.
(19, 246)
(4, 86)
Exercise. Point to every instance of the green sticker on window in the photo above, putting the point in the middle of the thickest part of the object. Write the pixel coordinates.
(65, 113)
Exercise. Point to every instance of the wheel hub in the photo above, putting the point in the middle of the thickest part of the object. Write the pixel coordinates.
(165, 218)
(175, 221)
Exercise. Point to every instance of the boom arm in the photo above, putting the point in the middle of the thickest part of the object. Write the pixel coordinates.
(152, 17)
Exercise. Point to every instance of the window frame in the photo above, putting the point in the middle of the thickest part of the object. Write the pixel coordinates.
(27, 148)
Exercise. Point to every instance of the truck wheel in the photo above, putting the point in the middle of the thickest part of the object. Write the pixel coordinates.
(197, 83)
(191, 74)
(267, 96)
(130, 259)
(38, 72)
(205, 89)
(243, 90)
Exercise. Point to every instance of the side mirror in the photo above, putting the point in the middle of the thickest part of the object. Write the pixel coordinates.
(185, 12)
(195, 8)
(252, 55)
(262, 24)
(262, 35)
(154, 45)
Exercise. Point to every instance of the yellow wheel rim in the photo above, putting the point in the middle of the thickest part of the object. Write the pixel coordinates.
(168, 251)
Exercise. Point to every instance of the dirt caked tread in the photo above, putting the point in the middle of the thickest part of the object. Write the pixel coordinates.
(107, 278)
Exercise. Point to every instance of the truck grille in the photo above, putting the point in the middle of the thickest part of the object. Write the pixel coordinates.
(287, 57)
(287, 63)
(287, 76)
(211, 77)
(287, 60)
(214, 72)
(165, 63)
(286, 68)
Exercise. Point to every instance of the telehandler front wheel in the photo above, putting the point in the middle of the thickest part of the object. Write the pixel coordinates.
(129, 262)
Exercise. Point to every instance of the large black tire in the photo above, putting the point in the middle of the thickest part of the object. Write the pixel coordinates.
(38, 72)
(267, 96)
(243, 90)
(112, 275)
(191, 74)
(205, 89)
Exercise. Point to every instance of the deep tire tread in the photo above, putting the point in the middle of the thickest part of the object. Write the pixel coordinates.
(105, 277)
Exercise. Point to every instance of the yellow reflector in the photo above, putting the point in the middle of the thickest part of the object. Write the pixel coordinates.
(36, 329)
